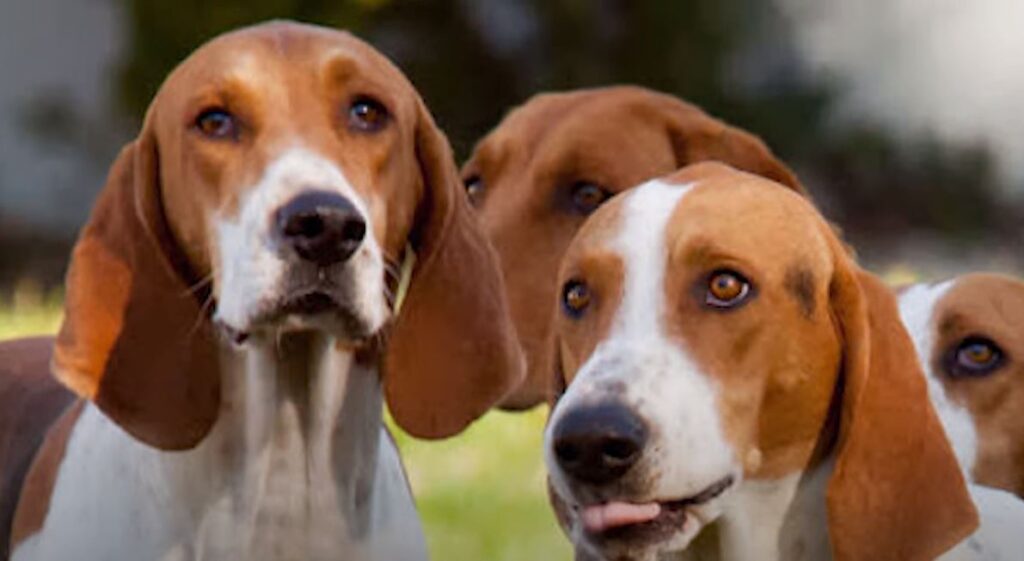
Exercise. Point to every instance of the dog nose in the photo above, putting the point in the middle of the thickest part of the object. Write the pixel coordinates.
(598, 444)
(322, 227)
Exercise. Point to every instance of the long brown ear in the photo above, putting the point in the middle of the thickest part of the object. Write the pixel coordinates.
(135, 339)
(896, 492)
(697, 137)
(452, 351)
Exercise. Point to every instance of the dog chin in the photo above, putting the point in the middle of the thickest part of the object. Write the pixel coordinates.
(312, 310)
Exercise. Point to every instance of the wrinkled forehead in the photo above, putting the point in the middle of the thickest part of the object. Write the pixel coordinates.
(982, 304)
(277, 58)
(709, 212)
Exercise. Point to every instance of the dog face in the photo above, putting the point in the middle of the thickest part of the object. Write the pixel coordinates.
(968, 334)
(283, 176)
(670, 338)
(703, 324)
(556, 159)
(294, 183)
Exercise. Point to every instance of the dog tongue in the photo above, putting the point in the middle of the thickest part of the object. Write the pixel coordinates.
(597, 519)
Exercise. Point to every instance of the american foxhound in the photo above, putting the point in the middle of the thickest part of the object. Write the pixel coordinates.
(283, 175)
(736, 388)
(969, 336)
(551, 162)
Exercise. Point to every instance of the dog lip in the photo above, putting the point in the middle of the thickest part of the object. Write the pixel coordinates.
(650, 521)
(309, 303)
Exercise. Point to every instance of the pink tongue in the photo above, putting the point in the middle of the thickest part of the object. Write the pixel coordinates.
(597, 519)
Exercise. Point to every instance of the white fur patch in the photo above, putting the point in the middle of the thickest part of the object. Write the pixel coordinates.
(662, 383)
(917, 309)
(298, 467)
(251, 270)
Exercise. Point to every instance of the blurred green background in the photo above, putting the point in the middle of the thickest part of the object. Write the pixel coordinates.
(481, 495)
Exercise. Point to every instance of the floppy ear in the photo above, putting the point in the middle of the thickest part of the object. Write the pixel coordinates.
(135, 338)
(698, 137)
(452, 351)
(897, 491)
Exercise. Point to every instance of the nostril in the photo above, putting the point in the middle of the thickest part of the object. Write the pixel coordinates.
(567, 452)
(305, 226)
(353, 230)
(617, 451)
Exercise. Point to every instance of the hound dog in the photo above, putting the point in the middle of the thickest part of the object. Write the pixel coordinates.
(969, 336)
(736, 388)
(282, 176)
(551, 162)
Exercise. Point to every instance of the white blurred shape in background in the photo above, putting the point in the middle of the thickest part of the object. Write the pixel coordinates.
(952, 68)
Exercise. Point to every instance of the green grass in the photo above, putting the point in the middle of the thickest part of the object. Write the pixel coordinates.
(481, 495)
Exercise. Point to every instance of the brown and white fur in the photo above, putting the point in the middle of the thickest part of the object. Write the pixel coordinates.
(553, 160)
(283, 179)
(969, 335)
(791, 423)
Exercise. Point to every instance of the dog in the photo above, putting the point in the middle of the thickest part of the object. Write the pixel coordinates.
(285, 246)
(969, 337)
(552, 161)
(733, 386)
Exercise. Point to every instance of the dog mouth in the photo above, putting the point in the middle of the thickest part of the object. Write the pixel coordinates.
(645, 523)
(312, 309)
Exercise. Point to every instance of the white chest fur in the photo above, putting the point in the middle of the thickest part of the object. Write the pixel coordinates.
(298, 467)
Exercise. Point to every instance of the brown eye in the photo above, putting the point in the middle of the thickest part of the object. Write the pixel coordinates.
(367, 115)
(474, 188)
(217, 124)
(975, 356)
(726, 289)
(575, 298)
(586, 197)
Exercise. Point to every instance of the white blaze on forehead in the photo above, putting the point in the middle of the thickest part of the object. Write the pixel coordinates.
(917, 310)
(640, 366)
(641, 243)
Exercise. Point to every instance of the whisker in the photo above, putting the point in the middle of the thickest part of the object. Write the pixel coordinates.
(203, 314)
(199, 285)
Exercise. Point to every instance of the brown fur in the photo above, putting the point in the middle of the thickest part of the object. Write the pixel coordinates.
(990, 306)
(613, 137)
(838, 381)
(137, 337)
(30, 402)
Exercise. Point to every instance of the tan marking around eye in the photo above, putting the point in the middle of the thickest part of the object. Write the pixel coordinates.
(990, 306)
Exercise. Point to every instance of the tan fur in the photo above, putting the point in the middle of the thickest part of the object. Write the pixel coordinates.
(612, 137)
(137, 337)
(990, 306)
(815, 365)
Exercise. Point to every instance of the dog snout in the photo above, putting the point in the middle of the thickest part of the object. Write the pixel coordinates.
(321, 227)
(598, 444)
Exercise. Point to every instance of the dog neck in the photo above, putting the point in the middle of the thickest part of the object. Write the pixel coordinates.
(298, 466)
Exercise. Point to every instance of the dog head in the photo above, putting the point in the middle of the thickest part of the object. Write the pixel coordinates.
(284, 178)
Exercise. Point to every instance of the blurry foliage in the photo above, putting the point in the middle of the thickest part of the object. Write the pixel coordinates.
(473, 60)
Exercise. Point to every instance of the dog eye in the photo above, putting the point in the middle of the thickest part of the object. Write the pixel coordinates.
(726, 289)
(474, 188)
(367, 115)
(575, 298)
(586, 197)
(976, 356)
(217, 124)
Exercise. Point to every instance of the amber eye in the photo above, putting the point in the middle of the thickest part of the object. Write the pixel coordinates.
(586, 197)
(726, 289)
(217, 124)
(474, 188)
(367, 115)
(575, 297)
(975, 356)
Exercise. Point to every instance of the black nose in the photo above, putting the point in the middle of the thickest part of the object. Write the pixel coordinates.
(598, 444)
(321, 227)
